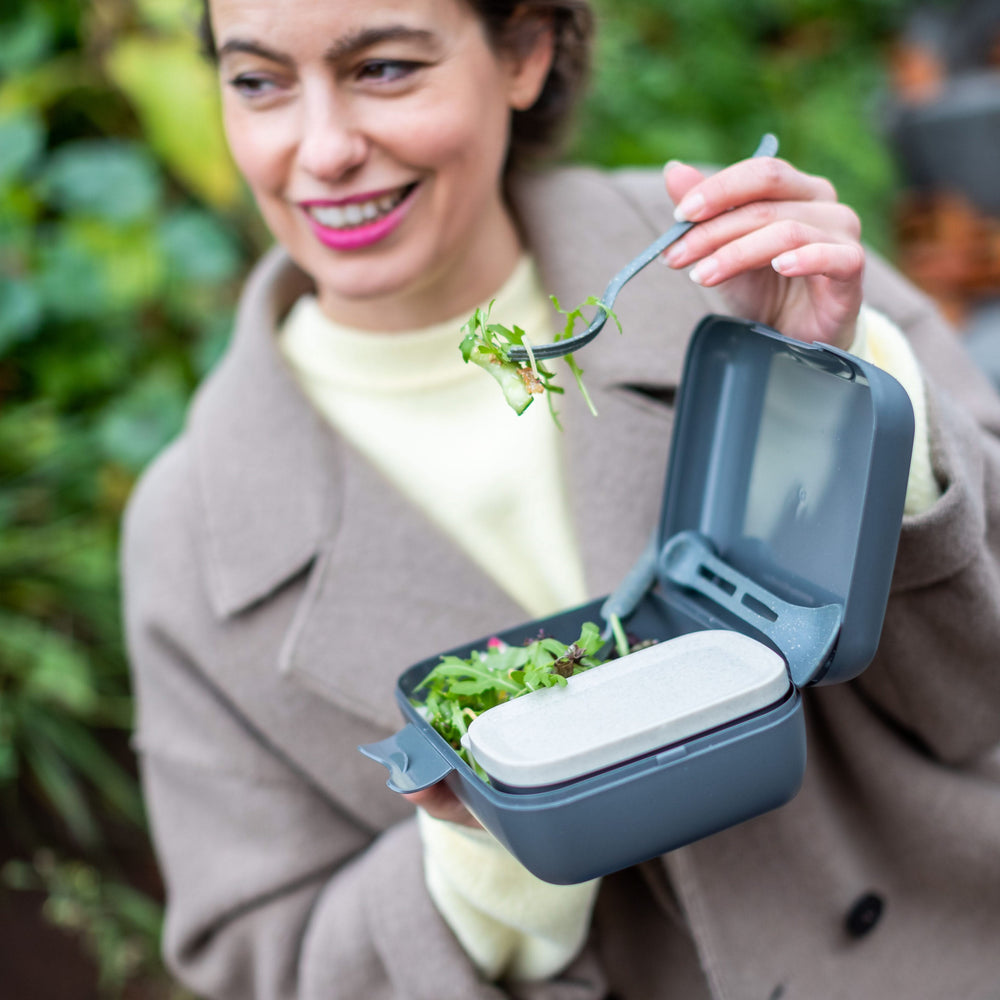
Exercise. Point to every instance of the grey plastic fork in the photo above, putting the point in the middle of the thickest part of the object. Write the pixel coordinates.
(768, 146)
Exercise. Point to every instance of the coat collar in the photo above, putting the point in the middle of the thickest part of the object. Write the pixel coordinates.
(282, 495)
(263, 457)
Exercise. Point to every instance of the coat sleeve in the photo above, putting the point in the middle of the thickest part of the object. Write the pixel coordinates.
(936, 673)
(273, 888)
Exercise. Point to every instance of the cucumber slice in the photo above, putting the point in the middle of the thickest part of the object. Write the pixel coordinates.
(519, 384)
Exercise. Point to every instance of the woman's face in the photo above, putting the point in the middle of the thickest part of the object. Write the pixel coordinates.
(373, 136)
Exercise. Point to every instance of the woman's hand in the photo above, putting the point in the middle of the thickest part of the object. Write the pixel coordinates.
(776, 241)
(441, 802)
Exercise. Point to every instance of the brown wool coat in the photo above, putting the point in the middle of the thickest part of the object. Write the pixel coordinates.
(276, 586)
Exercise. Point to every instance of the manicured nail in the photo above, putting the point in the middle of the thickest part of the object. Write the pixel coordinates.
(784, 262)
(689, 208)
(674, 255)
(669, 165)
(704, 271)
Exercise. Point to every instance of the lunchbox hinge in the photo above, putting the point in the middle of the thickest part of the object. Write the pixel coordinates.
(805, 636)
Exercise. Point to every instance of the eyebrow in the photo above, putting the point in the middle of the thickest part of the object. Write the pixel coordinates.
(355, 41)
(349, 44)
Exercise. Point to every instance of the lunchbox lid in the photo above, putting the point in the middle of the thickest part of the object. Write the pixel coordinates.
(649, 700)
(784, 493)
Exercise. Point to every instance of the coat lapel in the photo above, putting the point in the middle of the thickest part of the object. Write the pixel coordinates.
(388, 589)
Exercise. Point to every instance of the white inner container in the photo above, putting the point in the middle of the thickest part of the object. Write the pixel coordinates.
(625, 708)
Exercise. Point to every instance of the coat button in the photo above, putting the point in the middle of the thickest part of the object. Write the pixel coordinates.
(864, 915)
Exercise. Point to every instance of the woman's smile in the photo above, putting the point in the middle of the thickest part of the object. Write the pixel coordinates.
(353, 223)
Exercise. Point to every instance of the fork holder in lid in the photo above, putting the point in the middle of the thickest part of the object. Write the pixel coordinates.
(779, 525)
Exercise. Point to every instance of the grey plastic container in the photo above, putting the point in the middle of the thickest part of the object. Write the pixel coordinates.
(781, 515)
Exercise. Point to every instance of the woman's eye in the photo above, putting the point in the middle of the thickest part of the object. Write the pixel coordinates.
(250, 86)
(386, 70)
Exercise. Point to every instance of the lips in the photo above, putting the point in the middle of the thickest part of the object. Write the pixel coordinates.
(349, 225)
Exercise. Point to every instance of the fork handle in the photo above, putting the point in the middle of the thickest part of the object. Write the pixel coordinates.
(767, 146)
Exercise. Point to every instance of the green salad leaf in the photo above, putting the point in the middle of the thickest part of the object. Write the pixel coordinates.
(488, 345)
(457, 690)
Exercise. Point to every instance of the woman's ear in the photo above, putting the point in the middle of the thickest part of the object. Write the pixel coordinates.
(528, 54)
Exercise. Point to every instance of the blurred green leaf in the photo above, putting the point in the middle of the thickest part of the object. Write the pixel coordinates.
(182, 120)
(107, 178)
(53, 669)
(22, 139)
(171, 16)
(79, 746)
(41, 86)
(60, 786)
(138, 424)
(129, 258)
(9, 761)
(20, 312)
(69, 280)
(197, 248)
(26, 40)
(135, 909)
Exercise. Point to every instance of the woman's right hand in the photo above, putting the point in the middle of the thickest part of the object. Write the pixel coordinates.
(441, 802)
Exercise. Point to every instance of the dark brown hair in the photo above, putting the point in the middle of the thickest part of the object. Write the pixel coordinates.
(538, 131)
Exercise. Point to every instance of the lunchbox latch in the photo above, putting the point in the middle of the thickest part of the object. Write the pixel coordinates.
(805, 636)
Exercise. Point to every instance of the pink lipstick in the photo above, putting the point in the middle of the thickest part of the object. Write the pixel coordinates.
(359, 234)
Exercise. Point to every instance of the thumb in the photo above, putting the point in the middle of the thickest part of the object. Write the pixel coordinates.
(680, 178)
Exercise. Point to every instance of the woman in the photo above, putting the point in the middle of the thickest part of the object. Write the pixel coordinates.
(347, 499)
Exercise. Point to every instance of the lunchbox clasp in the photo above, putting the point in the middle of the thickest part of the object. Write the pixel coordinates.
(805, 636)
(411, 759)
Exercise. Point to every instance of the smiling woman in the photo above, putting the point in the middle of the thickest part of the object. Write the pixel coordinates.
(347, 498)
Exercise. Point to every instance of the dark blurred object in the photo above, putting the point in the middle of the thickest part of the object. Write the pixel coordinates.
(944, 122)
(943, 127)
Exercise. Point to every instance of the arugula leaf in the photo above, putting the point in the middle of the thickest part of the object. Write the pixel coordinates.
(488, 344)
(457, 690)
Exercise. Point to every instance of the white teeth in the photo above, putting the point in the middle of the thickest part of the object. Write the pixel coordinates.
(330, 216)
(356, 213)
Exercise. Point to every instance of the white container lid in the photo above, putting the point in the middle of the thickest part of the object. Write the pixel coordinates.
(627, 707)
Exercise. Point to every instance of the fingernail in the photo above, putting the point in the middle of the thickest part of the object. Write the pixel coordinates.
(669, 165)
(704, 271)
(674, 255)
(784, 262)
(689, 207)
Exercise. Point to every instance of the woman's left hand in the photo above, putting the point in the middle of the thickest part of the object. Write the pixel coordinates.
(778, 243)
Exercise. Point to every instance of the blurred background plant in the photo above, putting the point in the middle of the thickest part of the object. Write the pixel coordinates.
(124, 233)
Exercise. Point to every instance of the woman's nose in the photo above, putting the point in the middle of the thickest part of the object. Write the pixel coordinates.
(331, 144)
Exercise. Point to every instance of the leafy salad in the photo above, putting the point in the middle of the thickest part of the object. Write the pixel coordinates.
(488, 345)
(458, 690)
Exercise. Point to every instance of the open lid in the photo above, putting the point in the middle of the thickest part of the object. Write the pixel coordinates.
(785, 491)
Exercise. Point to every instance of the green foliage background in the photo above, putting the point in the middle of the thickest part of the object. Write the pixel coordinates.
(124, 233)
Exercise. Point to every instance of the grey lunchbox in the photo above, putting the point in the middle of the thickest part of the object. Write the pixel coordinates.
(768, 572)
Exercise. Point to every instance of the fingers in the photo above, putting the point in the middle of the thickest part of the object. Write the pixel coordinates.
(784, 249)
(680, 178)
(791, 248)
(441, 802)
(764, 178)
(838, 221)
(842, 262)
(755, 236)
